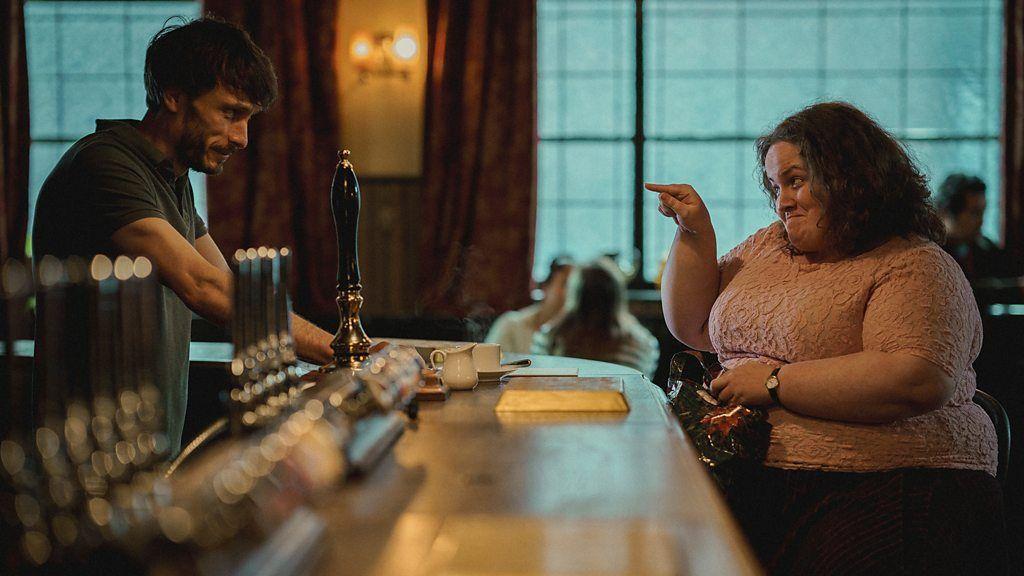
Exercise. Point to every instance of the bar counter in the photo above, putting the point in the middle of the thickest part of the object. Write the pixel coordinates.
(469, 491)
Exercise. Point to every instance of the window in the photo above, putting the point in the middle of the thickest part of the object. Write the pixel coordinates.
(715, 74)
(85, 61)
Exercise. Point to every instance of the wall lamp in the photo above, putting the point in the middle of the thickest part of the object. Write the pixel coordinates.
(385, 54)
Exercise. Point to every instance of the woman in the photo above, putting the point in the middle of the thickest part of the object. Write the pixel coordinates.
(596, 324)
(848, 321)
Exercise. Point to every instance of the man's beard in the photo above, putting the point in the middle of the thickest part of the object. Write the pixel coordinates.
(192, 147)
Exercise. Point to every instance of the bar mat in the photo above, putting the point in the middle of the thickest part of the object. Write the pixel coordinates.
(563, 395)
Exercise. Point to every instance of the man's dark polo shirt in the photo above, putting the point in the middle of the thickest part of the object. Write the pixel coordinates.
(104, 182)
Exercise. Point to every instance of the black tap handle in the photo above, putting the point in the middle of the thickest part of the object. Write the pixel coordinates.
(345, 206)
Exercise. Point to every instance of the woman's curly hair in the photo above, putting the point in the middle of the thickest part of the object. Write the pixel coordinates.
(865, 179)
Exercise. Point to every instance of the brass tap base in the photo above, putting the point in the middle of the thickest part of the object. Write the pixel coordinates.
(351, 345)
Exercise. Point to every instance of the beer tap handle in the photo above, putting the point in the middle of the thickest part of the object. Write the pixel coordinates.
(345, 207)
(284, 305)
(121, 341)
(267, 303)
(252, 290)
(50, 276)
(350, 344)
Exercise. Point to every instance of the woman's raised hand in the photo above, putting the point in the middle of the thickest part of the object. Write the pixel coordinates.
(682, 203)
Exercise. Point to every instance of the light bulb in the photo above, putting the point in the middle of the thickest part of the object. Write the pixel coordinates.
(361, 48)
(404, 46)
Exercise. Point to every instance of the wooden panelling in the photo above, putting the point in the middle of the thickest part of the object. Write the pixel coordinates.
(388, 244)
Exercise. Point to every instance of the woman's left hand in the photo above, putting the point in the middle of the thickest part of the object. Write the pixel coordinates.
(743, 385)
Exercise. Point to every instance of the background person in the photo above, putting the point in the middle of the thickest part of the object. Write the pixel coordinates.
(961, 203)
(514, 329)
(596, 324)
(851, 325)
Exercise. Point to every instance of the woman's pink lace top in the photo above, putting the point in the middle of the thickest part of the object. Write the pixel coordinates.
(905, 296)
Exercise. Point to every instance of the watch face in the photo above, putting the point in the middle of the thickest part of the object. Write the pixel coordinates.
(772, 383)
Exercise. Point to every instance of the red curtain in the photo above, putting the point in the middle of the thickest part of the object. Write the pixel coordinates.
(1013, 132)
(14, 135)
(479, 198)
(277, 192)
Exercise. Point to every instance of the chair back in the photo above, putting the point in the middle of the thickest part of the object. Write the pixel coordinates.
(1001, 421)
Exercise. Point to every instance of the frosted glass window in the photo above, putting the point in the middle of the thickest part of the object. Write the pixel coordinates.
(76, 78)
(718, 73)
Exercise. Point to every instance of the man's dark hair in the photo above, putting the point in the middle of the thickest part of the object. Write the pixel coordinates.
(955, 189)
(195, 56)
(865, 179)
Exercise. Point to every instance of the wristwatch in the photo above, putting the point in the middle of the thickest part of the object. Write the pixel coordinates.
(772, 384)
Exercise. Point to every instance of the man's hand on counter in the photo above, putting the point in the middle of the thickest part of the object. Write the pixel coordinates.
(312, 343)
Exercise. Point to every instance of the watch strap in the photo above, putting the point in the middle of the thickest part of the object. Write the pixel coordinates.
(773, 391)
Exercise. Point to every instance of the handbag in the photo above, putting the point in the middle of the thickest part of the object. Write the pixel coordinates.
(726, 437)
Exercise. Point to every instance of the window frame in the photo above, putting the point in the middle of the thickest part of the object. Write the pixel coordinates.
(641, 138)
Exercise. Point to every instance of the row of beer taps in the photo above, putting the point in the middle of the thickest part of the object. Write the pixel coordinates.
(264, 360)
(88, 469)
(81, 466)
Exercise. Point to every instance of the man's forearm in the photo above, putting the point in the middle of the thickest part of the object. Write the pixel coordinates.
(312, 344)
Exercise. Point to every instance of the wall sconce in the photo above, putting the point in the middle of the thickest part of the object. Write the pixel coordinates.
(385, 54)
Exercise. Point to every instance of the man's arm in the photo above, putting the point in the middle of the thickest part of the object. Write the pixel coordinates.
(202, 286)
(200, 276)
(311, 343)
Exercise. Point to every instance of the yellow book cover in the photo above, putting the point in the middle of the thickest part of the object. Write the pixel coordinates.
(587, 394)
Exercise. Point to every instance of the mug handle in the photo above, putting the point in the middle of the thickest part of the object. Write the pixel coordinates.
(433, 364)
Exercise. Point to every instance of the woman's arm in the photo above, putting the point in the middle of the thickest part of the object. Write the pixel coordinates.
(869, 386)
(690, 283)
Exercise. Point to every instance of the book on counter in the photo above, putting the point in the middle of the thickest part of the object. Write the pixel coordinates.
(587, 394)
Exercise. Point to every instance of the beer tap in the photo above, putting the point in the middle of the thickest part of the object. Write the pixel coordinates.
(351, 345)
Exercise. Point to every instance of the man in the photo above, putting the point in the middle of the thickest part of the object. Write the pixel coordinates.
(961, 202)
(125, 189)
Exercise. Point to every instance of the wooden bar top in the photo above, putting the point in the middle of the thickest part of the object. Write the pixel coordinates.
(469, 491)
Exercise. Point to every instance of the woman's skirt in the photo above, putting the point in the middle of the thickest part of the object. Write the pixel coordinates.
(905, 521)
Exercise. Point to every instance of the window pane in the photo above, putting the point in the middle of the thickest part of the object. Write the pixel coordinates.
(770, 46)
(954, 38)
(82, 51)
(585, 59)
(598, 106)
(691, 105)
(690, 36)
(857, 40)
(43, 106)
(769, 100)
(953, 105)
(584, 200)
(87, 98)
(881, 97)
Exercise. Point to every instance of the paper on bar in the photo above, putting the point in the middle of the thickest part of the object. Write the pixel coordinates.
(563, 395)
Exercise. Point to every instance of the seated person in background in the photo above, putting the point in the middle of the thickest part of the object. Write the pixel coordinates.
(961, 203)
(596, 324)
(847, 321)
(514, 329)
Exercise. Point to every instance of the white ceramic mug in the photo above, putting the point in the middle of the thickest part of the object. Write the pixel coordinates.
(458, 372)
(487, 357)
